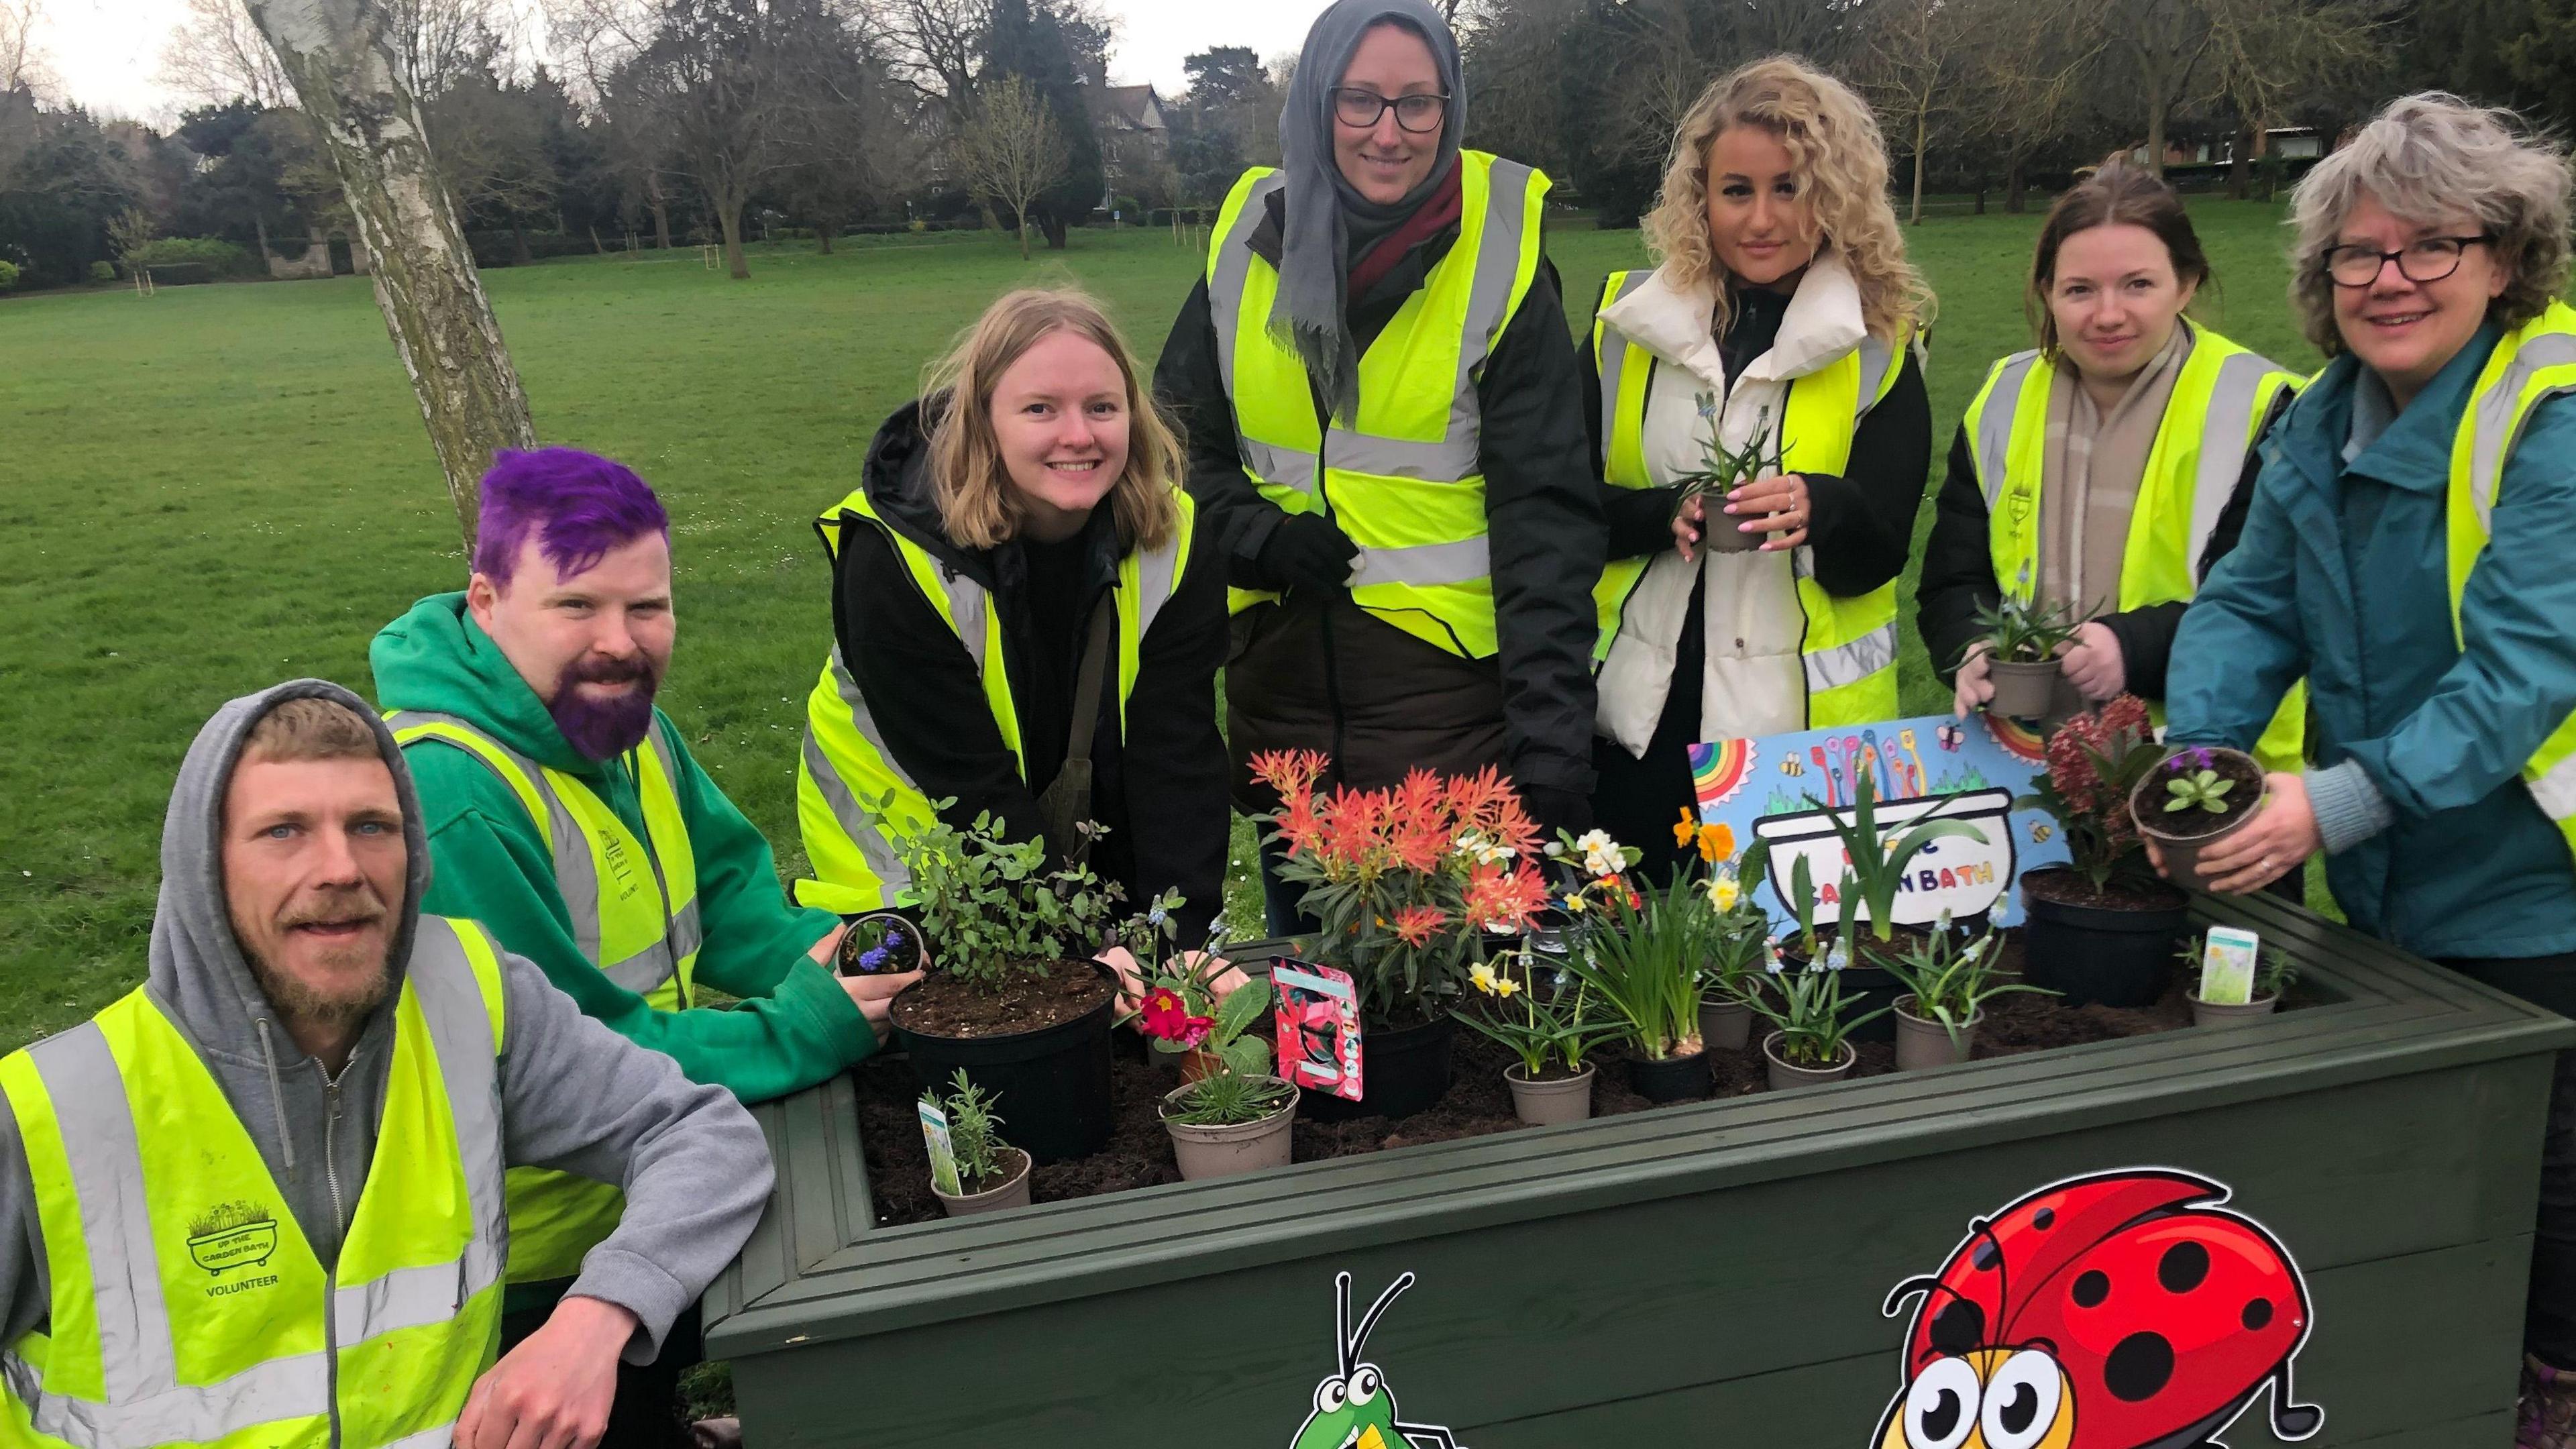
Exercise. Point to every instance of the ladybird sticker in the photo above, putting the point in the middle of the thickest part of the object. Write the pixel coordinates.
(2123, 1310)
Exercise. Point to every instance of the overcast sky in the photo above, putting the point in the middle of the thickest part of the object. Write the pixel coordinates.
(106, 51)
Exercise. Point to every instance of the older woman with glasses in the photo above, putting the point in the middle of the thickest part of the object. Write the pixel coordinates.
(2408, 550)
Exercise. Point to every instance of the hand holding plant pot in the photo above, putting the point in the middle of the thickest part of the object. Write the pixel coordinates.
(2020, 646)
(2279, 838)
(2195, 800)
(1721, 472)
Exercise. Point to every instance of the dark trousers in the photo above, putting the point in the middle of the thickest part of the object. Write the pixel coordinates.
(2549, 1315)
(647, 1412)
(1281, 913)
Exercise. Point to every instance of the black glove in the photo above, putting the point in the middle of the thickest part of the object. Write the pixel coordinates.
(1555, 810)
(1308, 550)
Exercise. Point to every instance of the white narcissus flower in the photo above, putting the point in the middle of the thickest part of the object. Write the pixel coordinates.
(1477, 848)
(1601, 854)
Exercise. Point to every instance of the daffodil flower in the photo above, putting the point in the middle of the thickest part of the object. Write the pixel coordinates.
(1483, 979)
(1504, 986)
(1723, 892)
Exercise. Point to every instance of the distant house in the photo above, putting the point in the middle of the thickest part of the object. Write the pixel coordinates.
(1135, 136)
(2290, 143)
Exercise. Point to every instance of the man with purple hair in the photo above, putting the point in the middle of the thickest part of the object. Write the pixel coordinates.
(565, 813)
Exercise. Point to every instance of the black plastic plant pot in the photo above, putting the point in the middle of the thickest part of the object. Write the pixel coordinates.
(1403, 1070)
(1672, 1079)
(1051, 1086)
(2094, 955)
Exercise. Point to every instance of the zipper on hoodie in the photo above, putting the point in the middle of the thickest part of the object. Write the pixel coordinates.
(340, 1230)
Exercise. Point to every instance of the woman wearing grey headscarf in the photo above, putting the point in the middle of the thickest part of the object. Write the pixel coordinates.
(1387, 440)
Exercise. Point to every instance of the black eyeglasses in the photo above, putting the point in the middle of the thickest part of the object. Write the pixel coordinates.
(1360, 109)
(2427, 259)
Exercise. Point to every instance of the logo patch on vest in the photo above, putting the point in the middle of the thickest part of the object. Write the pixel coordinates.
(622, 867)
(2021, 505)
(232, 1235)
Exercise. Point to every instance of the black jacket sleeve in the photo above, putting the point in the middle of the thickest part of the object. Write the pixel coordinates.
(928, 701)
(1544, 530)
(1862, 526)
(1234, 519)
(1958, 565)
(2146, 634)
(1172, 759)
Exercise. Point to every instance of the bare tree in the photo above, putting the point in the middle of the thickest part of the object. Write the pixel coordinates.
(2163, 45)
(935, 47)
(23, 65)
(2267, 54)
(341, 60)
(216, 55)
(723, 77)
(1914, 69)
(2027, 81)
(1010, 150)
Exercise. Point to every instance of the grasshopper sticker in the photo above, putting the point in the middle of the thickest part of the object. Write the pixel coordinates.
(1355, 1409)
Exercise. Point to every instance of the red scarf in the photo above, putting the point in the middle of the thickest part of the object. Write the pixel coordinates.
(1438, 211)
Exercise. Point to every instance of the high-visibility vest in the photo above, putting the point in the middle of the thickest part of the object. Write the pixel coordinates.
(854, 799)
(2221, 399)
(2534, 361)
(1404, 481)
(633, 909)
(1849, 649)
(188, 1307)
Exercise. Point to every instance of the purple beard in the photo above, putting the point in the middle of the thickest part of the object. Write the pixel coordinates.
(604, 729)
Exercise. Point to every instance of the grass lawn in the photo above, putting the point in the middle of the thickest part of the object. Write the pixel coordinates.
(224, 486)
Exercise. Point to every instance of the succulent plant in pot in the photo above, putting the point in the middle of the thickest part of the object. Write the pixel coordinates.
(991, 1173)
(1811, 1025)
(1550, 1027)
(2021, 638)
(1237, 1117)
(2101, 928)
(2193, 799)
(1948, 977)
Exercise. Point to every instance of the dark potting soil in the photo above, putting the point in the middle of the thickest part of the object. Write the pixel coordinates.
(946, 1006)
(1478, 1103)
(2195, 822)
(2068, 888)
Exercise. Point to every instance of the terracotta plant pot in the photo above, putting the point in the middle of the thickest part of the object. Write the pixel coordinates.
(2211, 1013)
(1013, 1193)
(2182, 851)
(1670, 1079)
(1236, 1147)
(1196, 1064)
(1922, 1043)
(1725, 1025)
(2022, 691)
(1549, 1102)
(1785, 1076)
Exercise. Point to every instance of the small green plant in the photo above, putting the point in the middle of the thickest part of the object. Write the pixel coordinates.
(1877, 869)
(1538, 1024)
(992, 908)
(974, 1132)
(1807, 1009)
(1951, 977)
(1738, 949)
(1644, 966)
(1721, 469)
(2192, 781)
(1227, 1100)
(1150, 934)
(2275, 973)
(2024, 631)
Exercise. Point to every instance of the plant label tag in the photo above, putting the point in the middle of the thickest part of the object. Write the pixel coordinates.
(943, 1153)
(2227, 966)
(1319, 1028)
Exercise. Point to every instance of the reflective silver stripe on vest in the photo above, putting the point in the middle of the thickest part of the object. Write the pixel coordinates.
(2496, 433)
(2555, 790)
(966, 607)
(1613, 364)
(1225, 314)
(282, 1388)
(1489, 296)
(1853, 662)
(2232, 402)
(1466, 561)
(576, 870)
(438, 1438)
(1284, 466)
(857, 822)
(1155, 570)
(460, 1028)
(1876, 357)
(106, 1159)
(1994, 425)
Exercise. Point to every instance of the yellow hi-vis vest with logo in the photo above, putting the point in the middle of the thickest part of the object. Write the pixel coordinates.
(2534, 361)
(633, 908)
(1404, 481)
(2220, 402)
(187, 1306)
(1850, 644)
(845, 775)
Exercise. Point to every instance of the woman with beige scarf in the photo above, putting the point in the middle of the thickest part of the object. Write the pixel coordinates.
(2107, 469)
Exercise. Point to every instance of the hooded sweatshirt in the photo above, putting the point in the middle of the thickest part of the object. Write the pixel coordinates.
(574, 1096)
(794, 1027)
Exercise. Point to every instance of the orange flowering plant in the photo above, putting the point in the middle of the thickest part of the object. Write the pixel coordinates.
(1406, 882)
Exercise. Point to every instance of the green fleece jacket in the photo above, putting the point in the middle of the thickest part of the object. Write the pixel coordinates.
(794, 1027)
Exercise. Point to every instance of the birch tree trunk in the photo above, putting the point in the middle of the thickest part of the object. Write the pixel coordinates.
(340, 62)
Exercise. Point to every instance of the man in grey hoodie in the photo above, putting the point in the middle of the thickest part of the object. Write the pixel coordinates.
(290, 961)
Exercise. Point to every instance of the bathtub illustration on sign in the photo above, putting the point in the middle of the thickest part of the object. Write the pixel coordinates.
(1956, 874)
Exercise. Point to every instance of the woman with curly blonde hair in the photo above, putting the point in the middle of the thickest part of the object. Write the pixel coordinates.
(1023, 625)
(1778, 327)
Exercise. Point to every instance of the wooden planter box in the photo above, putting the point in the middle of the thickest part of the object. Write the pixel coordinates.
(1701, 1275)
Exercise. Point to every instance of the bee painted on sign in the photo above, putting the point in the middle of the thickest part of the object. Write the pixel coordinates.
(2122, 1310)
(1355, 1408)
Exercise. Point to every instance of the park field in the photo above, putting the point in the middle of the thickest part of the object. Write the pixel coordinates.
(223, 486)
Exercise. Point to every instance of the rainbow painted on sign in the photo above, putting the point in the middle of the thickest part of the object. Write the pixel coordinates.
(1719, 770)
